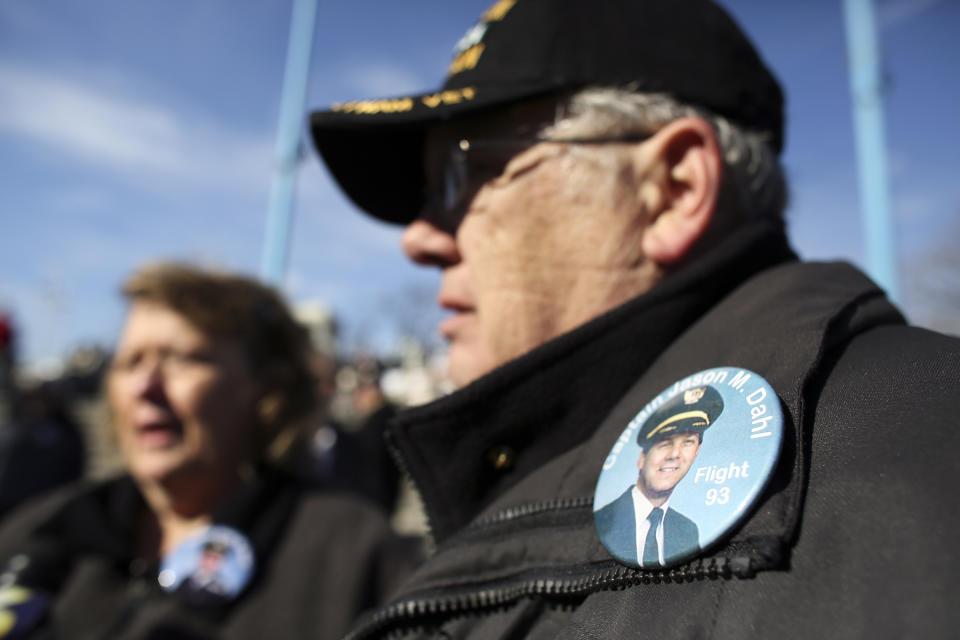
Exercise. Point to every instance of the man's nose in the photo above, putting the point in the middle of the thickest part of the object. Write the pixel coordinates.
(426, 243)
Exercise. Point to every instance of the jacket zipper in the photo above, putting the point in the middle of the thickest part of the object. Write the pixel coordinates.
(531, 509)
(614, 576)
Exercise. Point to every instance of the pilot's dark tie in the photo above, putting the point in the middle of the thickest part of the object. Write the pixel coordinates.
(651, 552)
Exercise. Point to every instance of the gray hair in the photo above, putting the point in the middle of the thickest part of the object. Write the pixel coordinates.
(754, 176)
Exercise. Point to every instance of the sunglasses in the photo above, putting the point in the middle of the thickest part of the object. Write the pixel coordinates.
(469, 164)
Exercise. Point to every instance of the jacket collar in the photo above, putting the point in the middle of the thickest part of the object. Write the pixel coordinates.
(787, 323)
(468, 448)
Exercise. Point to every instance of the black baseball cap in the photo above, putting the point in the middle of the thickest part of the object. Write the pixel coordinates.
(521, 49)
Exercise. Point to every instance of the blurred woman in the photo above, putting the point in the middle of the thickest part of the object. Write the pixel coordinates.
(203, 536)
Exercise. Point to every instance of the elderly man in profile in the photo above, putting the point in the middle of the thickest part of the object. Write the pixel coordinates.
(599, 185)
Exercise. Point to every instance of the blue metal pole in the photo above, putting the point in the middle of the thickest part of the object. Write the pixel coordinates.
(866, 91)
(293, 99)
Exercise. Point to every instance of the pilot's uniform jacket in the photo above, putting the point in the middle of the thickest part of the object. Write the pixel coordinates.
(854, 536)
(320, 560)
(617, 524)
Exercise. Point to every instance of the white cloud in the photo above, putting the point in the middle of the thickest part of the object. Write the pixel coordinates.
(83, 122)
(102, 229)
(140, 140)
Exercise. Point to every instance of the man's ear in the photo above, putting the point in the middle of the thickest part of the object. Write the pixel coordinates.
(688, 182)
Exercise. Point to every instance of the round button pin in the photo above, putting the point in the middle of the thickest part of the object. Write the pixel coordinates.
(21, 610)
(688, 467)
(210, 567)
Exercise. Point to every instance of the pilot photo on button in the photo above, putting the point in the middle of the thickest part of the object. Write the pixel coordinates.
(639, 527)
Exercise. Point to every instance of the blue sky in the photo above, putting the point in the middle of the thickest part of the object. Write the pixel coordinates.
(132, 131)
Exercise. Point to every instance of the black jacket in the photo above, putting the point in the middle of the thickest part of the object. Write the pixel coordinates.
(320, 560)
(853, 536)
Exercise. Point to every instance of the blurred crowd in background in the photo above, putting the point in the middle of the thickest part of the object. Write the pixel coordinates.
(54, 422)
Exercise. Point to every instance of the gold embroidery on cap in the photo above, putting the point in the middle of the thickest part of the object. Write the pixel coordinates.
(451, 96)
(373, 107)
(704, 420)
(498, 10)
(470, 48)
(466, 59)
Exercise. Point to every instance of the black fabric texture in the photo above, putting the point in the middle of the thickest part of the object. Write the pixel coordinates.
(103, 523)
(566, 384)
(869, 430)
(320, 560)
